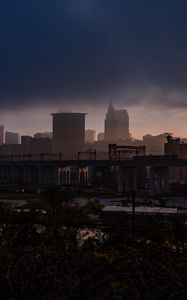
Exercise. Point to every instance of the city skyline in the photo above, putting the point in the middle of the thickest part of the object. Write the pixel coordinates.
(93, 149)
(166, 121)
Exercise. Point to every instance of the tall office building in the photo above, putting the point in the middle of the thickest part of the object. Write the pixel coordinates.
(154, 143)
(90, 136)
(116, 124)
(11, 138)
(1, 134)
(43, 135)
(68, 132)
(26, 143)
(101, 136)
(37, 145)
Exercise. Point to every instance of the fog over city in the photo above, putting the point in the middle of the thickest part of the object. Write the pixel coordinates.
(93, 149)
(86, 53)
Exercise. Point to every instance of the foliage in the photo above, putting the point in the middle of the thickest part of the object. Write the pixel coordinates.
(41, 256)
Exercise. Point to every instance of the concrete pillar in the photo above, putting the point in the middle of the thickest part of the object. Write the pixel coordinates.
(25, 173)
(83, 175)
(92, 174)
(64, 175)
(166, 180)
(152, 173)
(134, 179)
(120, 180)
(8, 172)
(86, 176)
(67, 176)
(40, 175)
(33, 174)
(57, 175)
(127, 180)
(12, 172)
(77, 176)
(159, 180)
(44, 176)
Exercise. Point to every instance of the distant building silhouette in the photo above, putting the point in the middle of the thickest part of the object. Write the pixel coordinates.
(10, 149)
(90, 136)
(116, 124)
(32, 145)
(154, 144)
(177, 147)
(100, 136)
(68, 132)
(41, 145)
(43, 135)
(1, 134)
(26, 142)
(11, 138)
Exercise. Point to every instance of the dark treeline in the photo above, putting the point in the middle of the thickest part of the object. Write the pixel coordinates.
(56, 250)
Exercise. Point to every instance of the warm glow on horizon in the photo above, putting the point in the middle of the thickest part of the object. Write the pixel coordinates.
(143, 120)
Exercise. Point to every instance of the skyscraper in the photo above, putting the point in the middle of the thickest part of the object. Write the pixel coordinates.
(154, 144)
(101, 136)
(116, 124)
(90, 136)
(11, 138)
(68, 132)
(43, 135)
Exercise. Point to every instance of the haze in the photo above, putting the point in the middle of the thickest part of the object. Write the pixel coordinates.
(82, 54)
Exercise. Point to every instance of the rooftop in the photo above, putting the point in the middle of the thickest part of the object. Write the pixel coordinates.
(141, 210)
(68, 113)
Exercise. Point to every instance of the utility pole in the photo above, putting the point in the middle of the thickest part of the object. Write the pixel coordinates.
(133, 216)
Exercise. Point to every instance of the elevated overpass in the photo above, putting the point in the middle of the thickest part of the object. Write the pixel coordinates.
(55, 169)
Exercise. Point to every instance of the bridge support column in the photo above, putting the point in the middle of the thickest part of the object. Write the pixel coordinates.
(120, 180)
(46, 171)
(127, 179)
(27, 174)
(135, 179)
(166, 180)
(12, 173)
(159, 180)
(162, 176)
(64, 177)
(152, 172)
(83, 175)
(40, 175)
(55, 175)
(91, 175)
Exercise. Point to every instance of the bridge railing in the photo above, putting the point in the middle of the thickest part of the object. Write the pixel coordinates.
(30, 157)
(88, 155)
(54, 156)
(79, 156)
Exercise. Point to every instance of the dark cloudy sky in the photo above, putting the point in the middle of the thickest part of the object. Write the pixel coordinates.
(80, 54)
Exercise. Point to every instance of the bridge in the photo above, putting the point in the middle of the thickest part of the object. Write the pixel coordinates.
(47, 169)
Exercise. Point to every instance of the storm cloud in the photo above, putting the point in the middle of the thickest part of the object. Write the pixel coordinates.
(89, 51)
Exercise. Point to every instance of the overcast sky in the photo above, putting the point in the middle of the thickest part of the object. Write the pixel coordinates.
(80, 54)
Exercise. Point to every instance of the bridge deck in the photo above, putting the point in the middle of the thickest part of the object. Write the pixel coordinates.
(162, 161)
